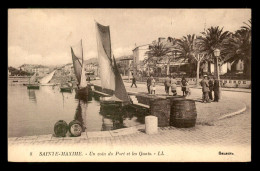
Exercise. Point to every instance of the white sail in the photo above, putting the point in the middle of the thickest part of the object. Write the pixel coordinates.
(32, 79)
(77, 63)
(83, 81)
(107, 75)
(47, 78)
(77, 49)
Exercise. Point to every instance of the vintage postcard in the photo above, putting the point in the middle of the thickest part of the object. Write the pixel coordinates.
(129, 85)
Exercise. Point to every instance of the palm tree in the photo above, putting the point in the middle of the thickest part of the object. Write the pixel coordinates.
(189, 51)
(157, 52)
(211, 39)
(238, 47)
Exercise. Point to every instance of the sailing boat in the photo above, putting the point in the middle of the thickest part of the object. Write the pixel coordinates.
(79, 68)
(45, 80)
(109, 74)
(32, 83)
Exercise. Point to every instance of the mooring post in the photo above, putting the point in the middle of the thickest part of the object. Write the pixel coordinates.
(151, 124)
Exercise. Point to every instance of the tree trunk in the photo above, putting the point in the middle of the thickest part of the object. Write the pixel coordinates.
(215, 68)
(217, 71)
(198, 73)
(129, 71)
(168, 68)
(209, 67)
(191, 69)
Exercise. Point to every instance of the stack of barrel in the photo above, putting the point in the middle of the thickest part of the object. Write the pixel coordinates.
(183, 112)
(61, 128)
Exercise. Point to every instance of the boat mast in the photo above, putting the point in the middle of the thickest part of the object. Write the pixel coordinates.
(82, 67)
(82, 54)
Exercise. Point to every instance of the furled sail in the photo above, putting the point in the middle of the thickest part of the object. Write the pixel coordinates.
(76, 64)
(47, 78)
(109, 74)
(32, 79)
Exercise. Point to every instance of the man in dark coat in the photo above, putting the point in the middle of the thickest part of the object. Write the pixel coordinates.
(216, 89)
(133, 81)
(211, 85)
(88, 79)
(184, 86)
(149, 83)
(205, 89)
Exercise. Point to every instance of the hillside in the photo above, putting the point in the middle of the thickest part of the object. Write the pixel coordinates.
(15, 71)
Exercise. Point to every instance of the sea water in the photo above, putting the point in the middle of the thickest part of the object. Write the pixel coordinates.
(34, 112)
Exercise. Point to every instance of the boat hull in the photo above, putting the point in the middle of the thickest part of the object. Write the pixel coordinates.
(65, 89)
(33, 86)
(82, 91)
(110, 105)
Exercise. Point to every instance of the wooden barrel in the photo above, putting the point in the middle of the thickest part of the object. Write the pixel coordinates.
(183, 113)
(75, 128)
(161, 109)
(60, 128)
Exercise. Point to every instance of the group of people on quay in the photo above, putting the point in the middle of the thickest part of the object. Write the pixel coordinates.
(170, 84)
(209, 85)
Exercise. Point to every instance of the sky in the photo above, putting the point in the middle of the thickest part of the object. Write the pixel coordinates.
(44, 36)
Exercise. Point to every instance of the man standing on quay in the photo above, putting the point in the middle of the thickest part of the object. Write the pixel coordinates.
(133, 81)
(149, 82)
(167, 84)
(205, 89)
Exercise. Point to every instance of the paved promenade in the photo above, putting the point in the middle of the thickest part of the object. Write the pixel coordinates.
(224, 126)
(207, 113)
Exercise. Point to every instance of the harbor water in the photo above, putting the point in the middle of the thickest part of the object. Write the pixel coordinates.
(35, 112)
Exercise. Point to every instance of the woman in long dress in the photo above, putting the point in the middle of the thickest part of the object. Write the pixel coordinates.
(153, 86)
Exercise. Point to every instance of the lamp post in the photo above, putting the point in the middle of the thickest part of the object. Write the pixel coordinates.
(217, 54)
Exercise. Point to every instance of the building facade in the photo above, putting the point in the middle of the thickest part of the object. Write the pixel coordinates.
(92, 67)
(139, 54)
(124, 64)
